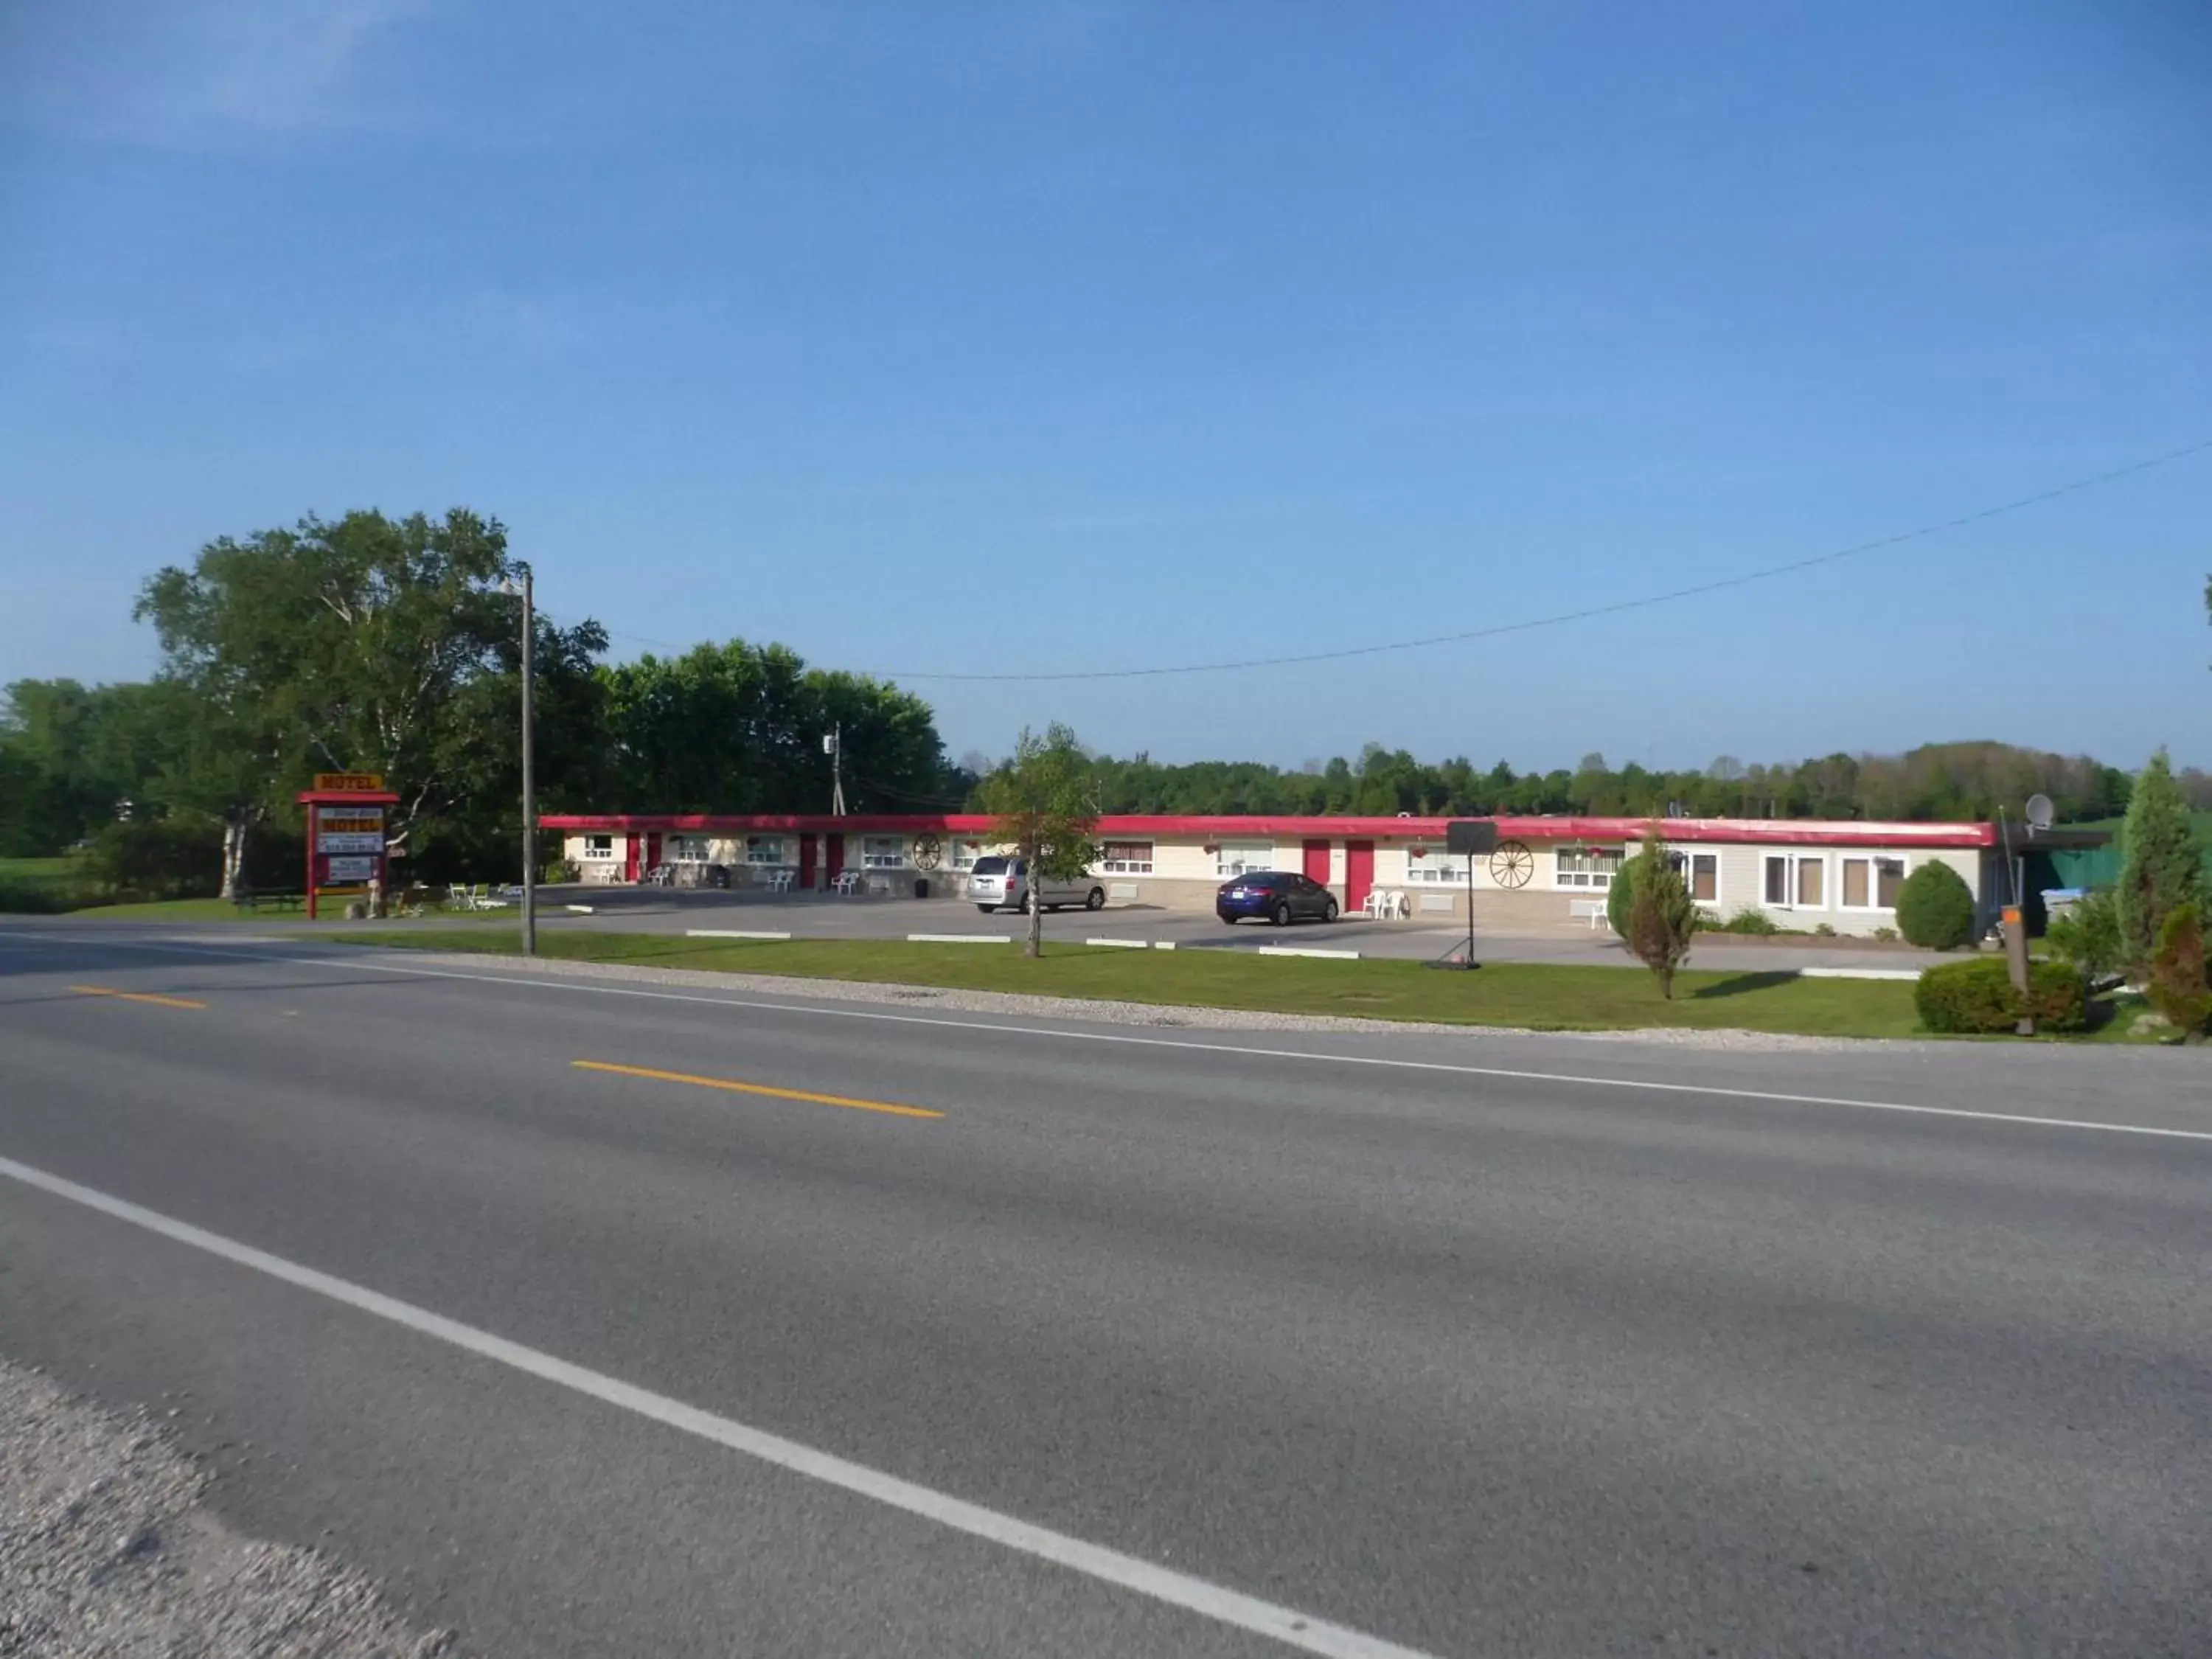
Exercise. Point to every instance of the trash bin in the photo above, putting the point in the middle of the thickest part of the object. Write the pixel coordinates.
(718, 875)
(921, 886)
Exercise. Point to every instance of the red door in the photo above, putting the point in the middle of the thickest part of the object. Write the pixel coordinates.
(1316, 864)
(833, 849)
(806, 860)
(1359, 872)
(653, 849)
(629, 858)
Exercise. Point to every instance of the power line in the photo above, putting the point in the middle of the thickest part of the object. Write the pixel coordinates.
(1558, 619)
(1564, 616)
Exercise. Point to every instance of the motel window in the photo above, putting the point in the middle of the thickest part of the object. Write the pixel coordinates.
(962, 854)
(1701, 874)
(1239, 857)
(1797, 884)
(1588, 866)
(1435, 869)
(764, 849)
(684, 849)
(1128, 858)
(882, 852)
(1871, 884)
(598, 847)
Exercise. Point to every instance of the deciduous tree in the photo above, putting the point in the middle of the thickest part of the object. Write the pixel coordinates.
(1044, 802)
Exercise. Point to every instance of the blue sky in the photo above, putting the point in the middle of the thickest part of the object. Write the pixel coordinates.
(1208, 331)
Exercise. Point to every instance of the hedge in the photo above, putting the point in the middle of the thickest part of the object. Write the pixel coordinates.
(1978, 996)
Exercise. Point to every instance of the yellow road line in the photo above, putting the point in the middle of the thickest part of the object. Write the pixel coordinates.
(136, 996)
(755, 1089)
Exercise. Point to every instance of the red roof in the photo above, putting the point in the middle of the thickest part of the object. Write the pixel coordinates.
(1788, 832)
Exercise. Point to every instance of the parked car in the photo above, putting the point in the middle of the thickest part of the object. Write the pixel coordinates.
(1281, 896)
(999, 883)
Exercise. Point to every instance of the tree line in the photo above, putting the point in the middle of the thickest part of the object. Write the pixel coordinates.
(393, 646)
(1935, 782)
(376, 644)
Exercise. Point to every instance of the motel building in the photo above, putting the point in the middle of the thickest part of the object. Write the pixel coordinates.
(1546, 874)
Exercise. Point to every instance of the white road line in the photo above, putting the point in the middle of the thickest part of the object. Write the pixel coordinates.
(1228, 1607)
(1385, 1062)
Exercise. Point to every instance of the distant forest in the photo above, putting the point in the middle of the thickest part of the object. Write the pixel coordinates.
(1936, 781)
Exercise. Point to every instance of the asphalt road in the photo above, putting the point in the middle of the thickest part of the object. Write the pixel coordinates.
(1469, 1345)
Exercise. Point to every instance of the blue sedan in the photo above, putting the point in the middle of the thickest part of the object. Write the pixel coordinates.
(1279, 895)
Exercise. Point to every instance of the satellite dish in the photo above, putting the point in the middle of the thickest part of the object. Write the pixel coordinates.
(2039, 812)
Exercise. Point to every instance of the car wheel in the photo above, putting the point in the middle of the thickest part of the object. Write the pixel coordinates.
(986, 909)
(1281, 914)
(1096, 901)
(1328, 911)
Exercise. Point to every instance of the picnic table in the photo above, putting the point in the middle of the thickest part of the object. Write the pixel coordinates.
(247, 899)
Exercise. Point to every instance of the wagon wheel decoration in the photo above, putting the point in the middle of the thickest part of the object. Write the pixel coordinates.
(926, 852)
(1512, 864)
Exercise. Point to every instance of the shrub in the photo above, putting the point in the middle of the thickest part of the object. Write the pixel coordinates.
(1978, 996)
(2178, 986)
(1620, 897)
(1884, 936)
(1751, 922)
(1936, 908)
(24, 897)
(159, 858)
(2087, 934)
(1662, 917)
(1823, 931)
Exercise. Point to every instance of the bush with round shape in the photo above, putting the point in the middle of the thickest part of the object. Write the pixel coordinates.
(1936, 908)
(1968, 998)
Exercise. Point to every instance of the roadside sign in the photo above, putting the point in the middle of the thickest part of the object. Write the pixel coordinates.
(351, 869)
(357, 819)
(371, 843)
(356, 783)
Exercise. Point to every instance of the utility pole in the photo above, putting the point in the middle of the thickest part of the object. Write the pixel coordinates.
(834, 743)
(529, 778)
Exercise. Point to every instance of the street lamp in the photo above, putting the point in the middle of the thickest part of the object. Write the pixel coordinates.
(528, 782)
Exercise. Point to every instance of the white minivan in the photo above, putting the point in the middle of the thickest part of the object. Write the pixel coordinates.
(997, 882)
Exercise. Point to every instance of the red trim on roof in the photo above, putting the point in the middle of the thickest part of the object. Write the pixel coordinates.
(1766, 832)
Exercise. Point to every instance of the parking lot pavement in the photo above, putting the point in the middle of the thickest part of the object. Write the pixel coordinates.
(813, 915)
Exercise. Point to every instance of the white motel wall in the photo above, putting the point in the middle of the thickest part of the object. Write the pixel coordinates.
(1547, 872)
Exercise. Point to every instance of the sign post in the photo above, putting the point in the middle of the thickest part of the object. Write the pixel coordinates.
(347, 853)
(1470, 838)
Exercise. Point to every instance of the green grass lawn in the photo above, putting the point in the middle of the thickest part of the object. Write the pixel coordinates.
(1537, 996)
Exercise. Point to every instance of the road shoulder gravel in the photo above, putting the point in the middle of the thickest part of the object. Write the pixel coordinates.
(108, 1547)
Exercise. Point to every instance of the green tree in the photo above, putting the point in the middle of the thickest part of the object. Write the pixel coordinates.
(2161, 869)
(351, 645)
(738, 727)
(1044, 802)
(2177, 983)
(1662, 917)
